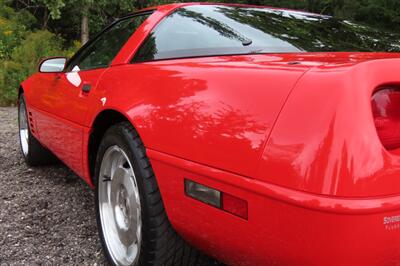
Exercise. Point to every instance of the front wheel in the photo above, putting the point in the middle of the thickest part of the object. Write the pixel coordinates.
(133, 226)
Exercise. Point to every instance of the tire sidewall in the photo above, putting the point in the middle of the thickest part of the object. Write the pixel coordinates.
(21, 99)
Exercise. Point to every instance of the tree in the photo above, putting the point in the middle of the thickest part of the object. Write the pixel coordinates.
(103, 12)
(54, 6)
(100, 10)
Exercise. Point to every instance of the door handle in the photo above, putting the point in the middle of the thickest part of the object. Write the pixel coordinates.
(86, 88)
(58, 77)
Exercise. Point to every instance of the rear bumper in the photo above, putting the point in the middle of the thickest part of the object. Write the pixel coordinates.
(284, 226)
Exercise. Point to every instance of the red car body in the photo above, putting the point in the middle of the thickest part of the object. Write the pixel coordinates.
(297, 141)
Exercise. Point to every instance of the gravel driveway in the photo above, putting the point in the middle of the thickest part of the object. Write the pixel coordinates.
(46, 213)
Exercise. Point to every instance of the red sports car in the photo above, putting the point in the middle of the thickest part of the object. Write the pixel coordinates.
(259, 136)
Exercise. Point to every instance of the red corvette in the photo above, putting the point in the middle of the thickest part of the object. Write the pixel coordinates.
(259, 136)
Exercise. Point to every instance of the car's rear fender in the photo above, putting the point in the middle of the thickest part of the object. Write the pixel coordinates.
(325, 140)
(215, 111)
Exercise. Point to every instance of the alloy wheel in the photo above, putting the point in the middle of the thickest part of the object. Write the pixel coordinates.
(119, 207)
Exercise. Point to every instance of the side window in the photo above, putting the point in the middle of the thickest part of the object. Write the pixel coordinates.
(100, 52)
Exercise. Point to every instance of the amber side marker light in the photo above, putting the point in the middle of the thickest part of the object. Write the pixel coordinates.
(386, 110)
(217, 199)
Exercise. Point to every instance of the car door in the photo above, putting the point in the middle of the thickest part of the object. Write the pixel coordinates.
(63, 98)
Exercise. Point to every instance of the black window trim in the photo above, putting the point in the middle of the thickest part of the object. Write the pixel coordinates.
(99, 34)
(132, 62)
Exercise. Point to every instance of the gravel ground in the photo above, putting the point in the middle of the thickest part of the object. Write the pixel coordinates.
(46, 213)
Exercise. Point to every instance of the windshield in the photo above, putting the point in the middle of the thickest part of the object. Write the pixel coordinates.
(204, 30)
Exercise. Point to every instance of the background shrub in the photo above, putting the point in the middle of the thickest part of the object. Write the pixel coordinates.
(24, 60)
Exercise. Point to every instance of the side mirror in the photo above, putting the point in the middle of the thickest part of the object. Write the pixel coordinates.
(52, 65)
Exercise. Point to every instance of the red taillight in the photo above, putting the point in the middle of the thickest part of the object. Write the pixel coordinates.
(386, 111)
(234, 205)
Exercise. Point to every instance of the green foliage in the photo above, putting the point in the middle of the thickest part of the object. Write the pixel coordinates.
(22, 45)
(13, 27)
(10, 73)
(24, 60)
(99, 12)
(37, 45)
(73, 49)
(54, 6)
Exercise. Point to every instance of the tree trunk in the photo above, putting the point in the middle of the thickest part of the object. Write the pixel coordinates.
(45, 18)
(85, 26)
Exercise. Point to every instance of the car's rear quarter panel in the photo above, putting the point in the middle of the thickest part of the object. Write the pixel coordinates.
(214, 111)
(325, 140)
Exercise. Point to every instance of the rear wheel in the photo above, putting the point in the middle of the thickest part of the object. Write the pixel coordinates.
(133, 226)
(119, 207)
(34, 153)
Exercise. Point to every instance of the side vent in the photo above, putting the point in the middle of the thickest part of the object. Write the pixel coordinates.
(31, 124)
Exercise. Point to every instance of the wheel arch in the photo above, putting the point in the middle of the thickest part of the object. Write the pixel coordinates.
(20, 90)
(103, 121)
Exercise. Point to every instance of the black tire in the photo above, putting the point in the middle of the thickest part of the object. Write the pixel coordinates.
(36, 153)
(160, 244)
